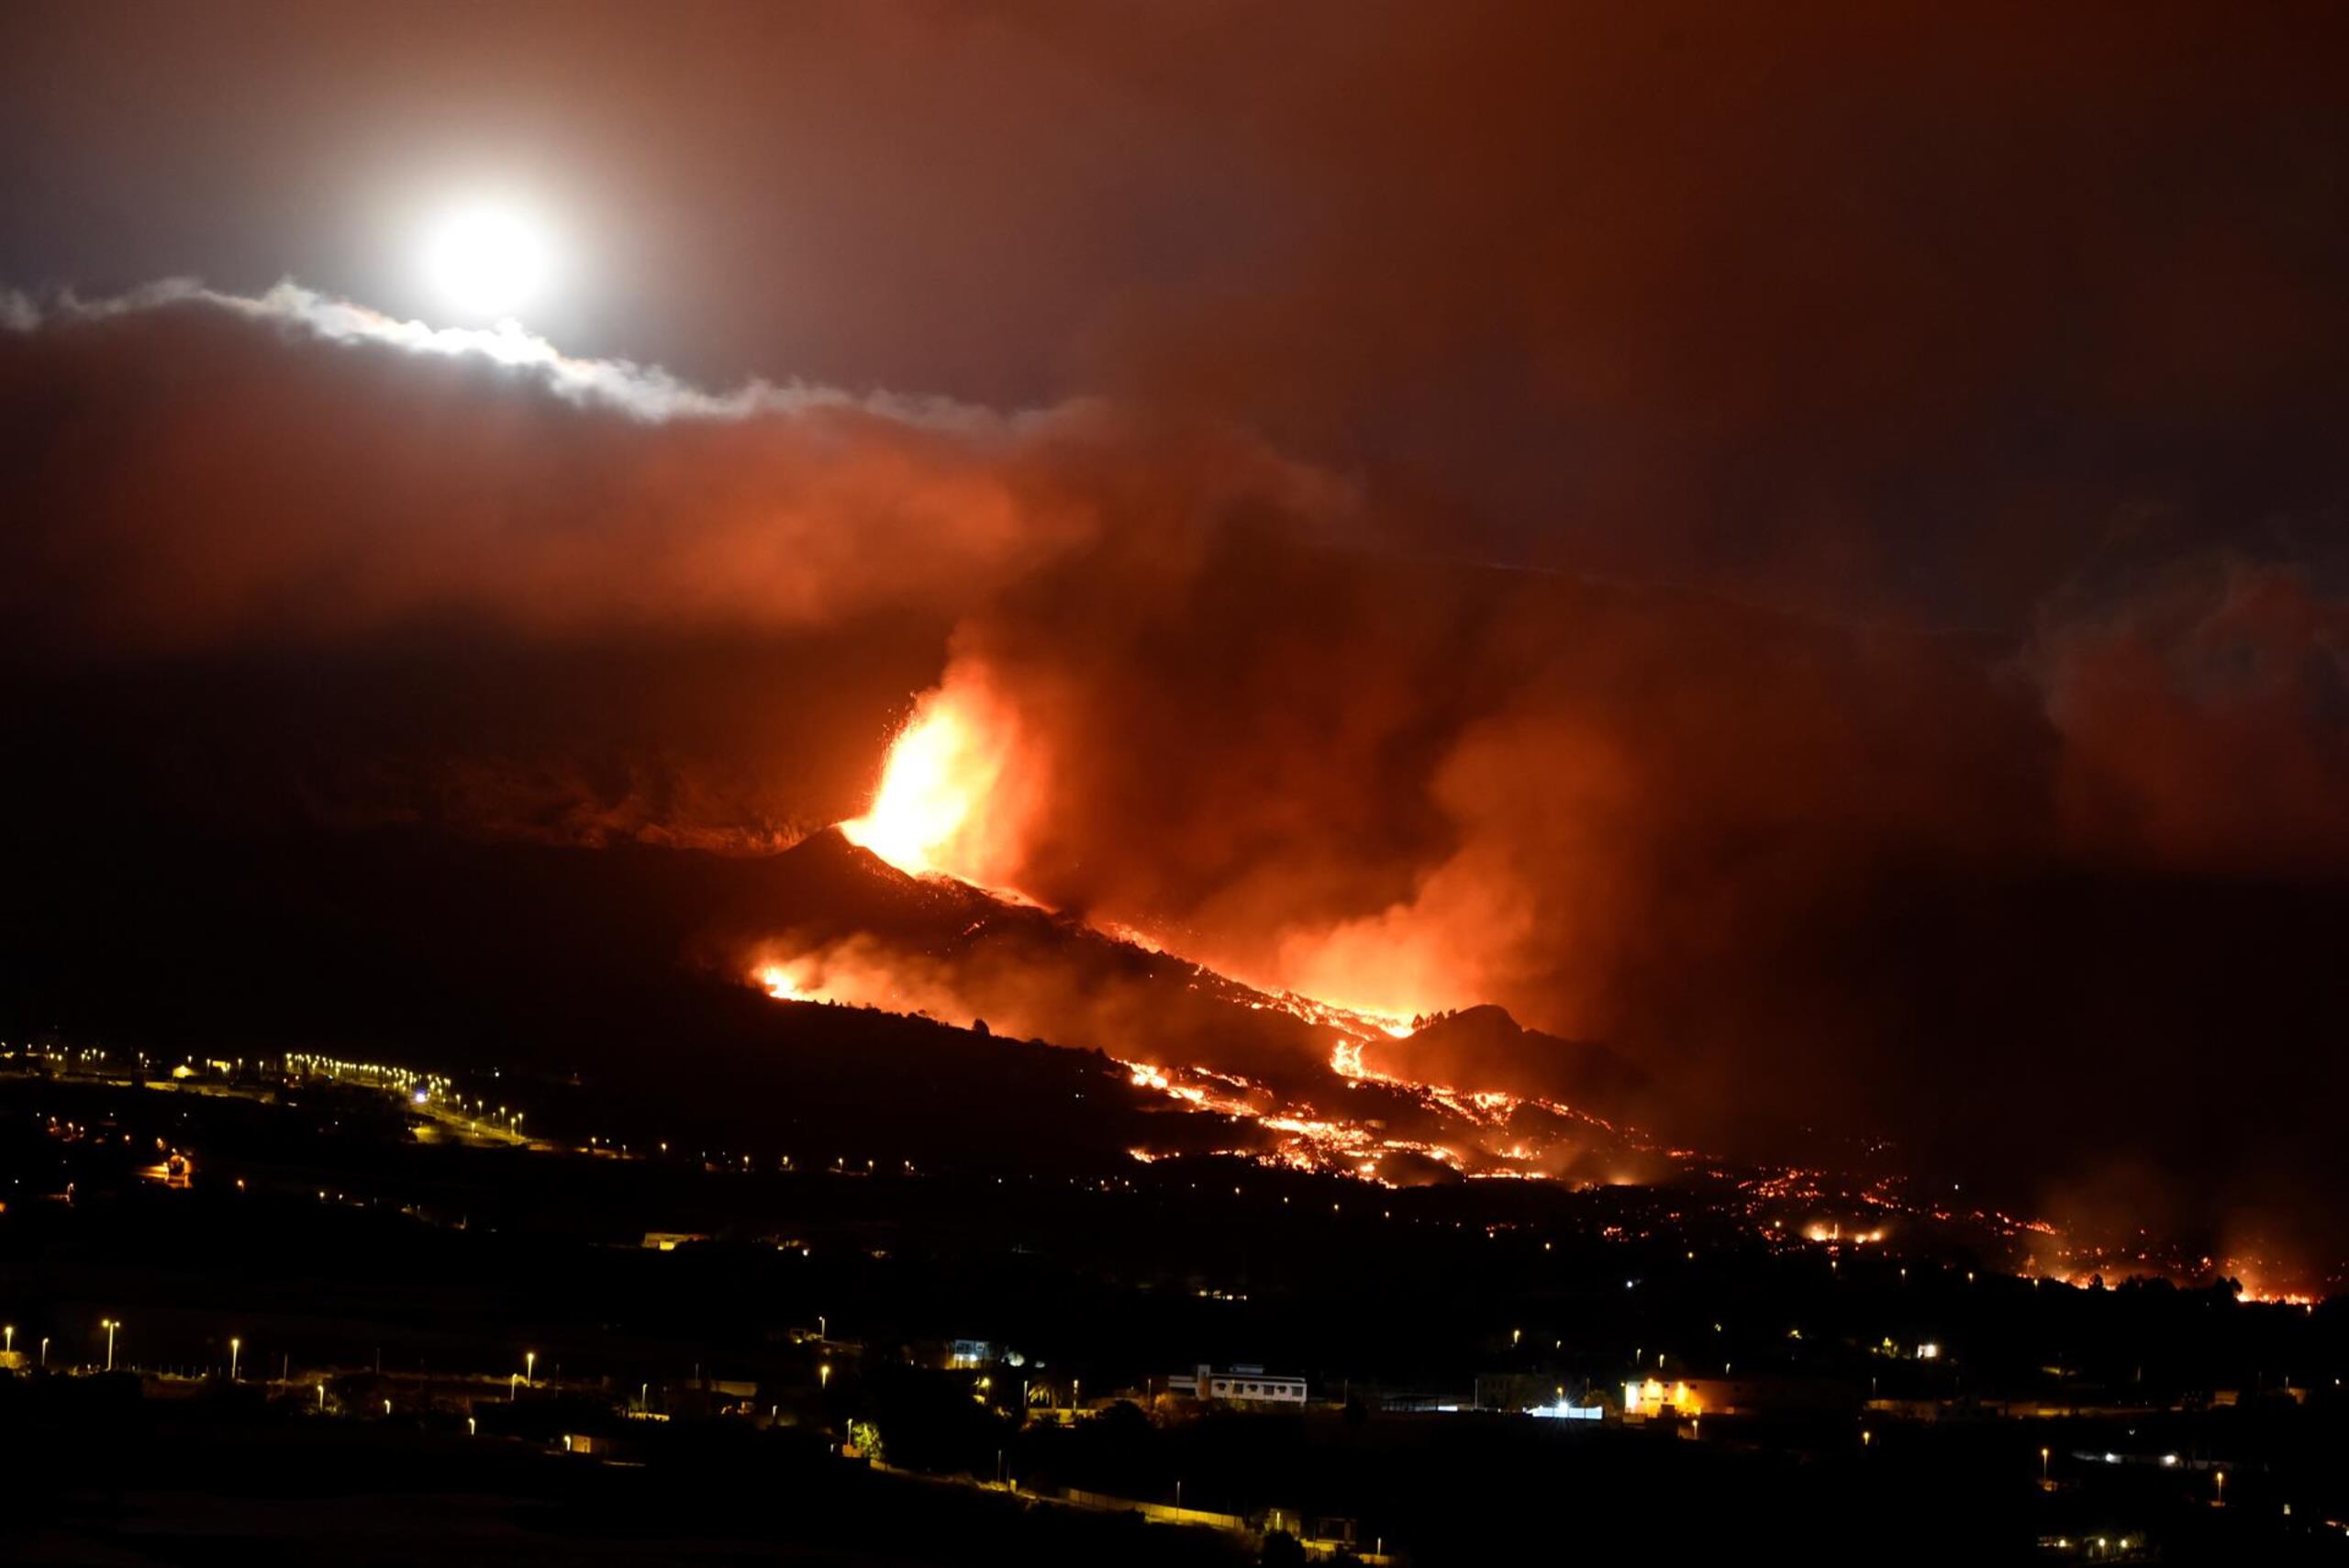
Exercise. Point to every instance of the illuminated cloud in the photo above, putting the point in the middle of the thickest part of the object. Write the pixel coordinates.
(645, 392)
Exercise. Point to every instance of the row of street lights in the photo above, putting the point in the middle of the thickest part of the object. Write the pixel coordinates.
(10, 1346)
(8, 1343)
(530, 1372)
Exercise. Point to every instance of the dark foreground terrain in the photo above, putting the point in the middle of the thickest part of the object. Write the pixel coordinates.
(452, 1341)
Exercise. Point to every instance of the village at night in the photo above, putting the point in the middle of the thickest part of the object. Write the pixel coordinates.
(1223, 784)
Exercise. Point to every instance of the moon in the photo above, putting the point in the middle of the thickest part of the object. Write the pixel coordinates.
(489, 260)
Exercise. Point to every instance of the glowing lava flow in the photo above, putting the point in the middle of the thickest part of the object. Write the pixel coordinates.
(1300, 1138)
(1366, 1124)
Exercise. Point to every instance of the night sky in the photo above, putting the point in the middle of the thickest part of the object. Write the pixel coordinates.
(1808, 548)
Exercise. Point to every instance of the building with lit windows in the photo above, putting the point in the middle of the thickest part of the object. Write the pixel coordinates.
(1240, 1385)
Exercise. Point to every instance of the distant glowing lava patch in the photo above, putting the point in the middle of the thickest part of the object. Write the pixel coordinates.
(777, 982)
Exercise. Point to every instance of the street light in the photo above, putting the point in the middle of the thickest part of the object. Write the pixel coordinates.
(2042, 1467)
(110, 1326)
(11, 1346)
(234, 1346)
(44, 1349)
(511, 1379)
(824, 1375)
(529, 1366)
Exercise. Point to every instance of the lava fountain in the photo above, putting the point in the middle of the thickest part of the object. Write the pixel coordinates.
(948, 801)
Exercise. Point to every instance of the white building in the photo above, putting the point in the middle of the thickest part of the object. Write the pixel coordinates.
(1240, 1385)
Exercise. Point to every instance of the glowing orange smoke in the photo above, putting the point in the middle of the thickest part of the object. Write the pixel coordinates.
(963, 789)
(777, 982)
(946, 803)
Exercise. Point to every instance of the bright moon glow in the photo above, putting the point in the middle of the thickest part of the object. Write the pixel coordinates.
(488, 260)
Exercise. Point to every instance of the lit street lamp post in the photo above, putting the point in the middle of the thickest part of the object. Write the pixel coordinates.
(110, 1326)
(234, 1346)
(44, 1349)
(529, 1366)
(11, 1346)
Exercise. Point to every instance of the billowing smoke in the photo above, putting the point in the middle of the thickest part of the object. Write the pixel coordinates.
(196, 469)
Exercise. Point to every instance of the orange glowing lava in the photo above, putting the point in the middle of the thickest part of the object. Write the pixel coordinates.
(947, 803)
(777, 982)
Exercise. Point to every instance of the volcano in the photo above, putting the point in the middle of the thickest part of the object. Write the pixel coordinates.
(1470, 1091)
